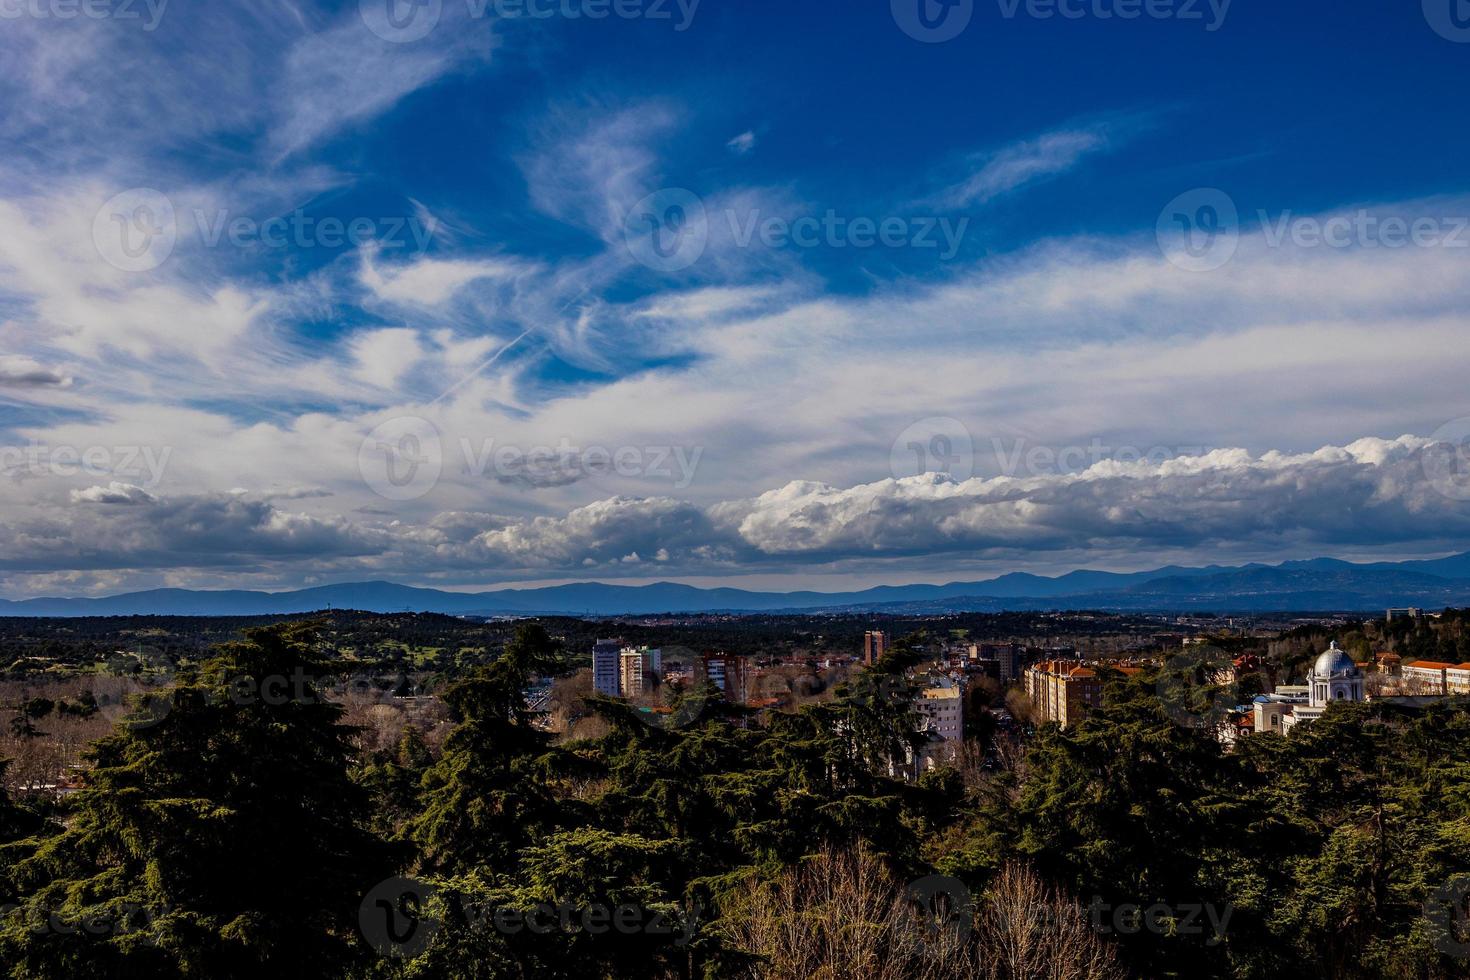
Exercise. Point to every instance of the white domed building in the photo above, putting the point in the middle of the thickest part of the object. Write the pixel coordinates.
(1334, 677)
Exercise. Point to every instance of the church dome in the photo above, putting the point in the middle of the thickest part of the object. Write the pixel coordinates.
(1334, 663)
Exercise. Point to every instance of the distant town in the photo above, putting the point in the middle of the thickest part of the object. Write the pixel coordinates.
(974, 751)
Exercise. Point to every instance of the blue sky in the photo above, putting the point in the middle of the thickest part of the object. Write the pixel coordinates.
(793, 294)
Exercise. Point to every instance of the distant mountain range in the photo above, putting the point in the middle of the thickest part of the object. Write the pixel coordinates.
(1319, 584)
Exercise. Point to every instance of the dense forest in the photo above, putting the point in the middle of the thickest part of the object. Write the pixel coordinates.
(225, 832)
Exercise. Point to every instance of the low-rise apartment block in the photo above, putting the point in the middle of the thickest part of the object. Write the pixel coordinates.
(1425, 676)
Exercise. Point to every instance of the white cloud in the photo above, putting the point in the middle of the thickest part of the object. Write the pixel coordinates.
(742, 144)
(1371, 492)
(383, 357)
(113, 493)
(429, 282)
(1023, 163)
(588, 165)
(345, 74)
(24, 372)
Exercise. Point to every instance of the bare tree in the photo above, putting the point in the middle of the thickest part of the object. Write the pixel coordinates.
(841, 914)
(1029, 931)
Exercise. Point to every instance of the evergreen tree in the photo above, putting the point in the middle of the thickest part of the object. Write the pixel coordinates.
(492, 794)
(218, 834)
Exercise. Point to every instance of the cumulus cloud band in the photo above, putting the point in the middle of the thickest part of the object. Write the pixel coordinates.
(1371, 491)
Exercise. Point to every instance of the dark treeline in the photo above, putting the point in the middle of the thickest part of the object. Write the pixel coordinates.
(29, 644)
(223, 834)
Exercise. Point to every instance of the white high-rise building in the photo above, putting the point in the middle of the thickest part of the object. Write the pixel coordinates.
(942, 708)
(607, 667)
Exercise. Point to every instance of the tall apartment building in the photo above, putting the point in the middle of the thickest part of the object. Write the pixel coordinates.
(727, 672)
(1008, 655)
(875, 644)
(607, 667)
(942, 708)
(1062, 691)
(636, 668)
